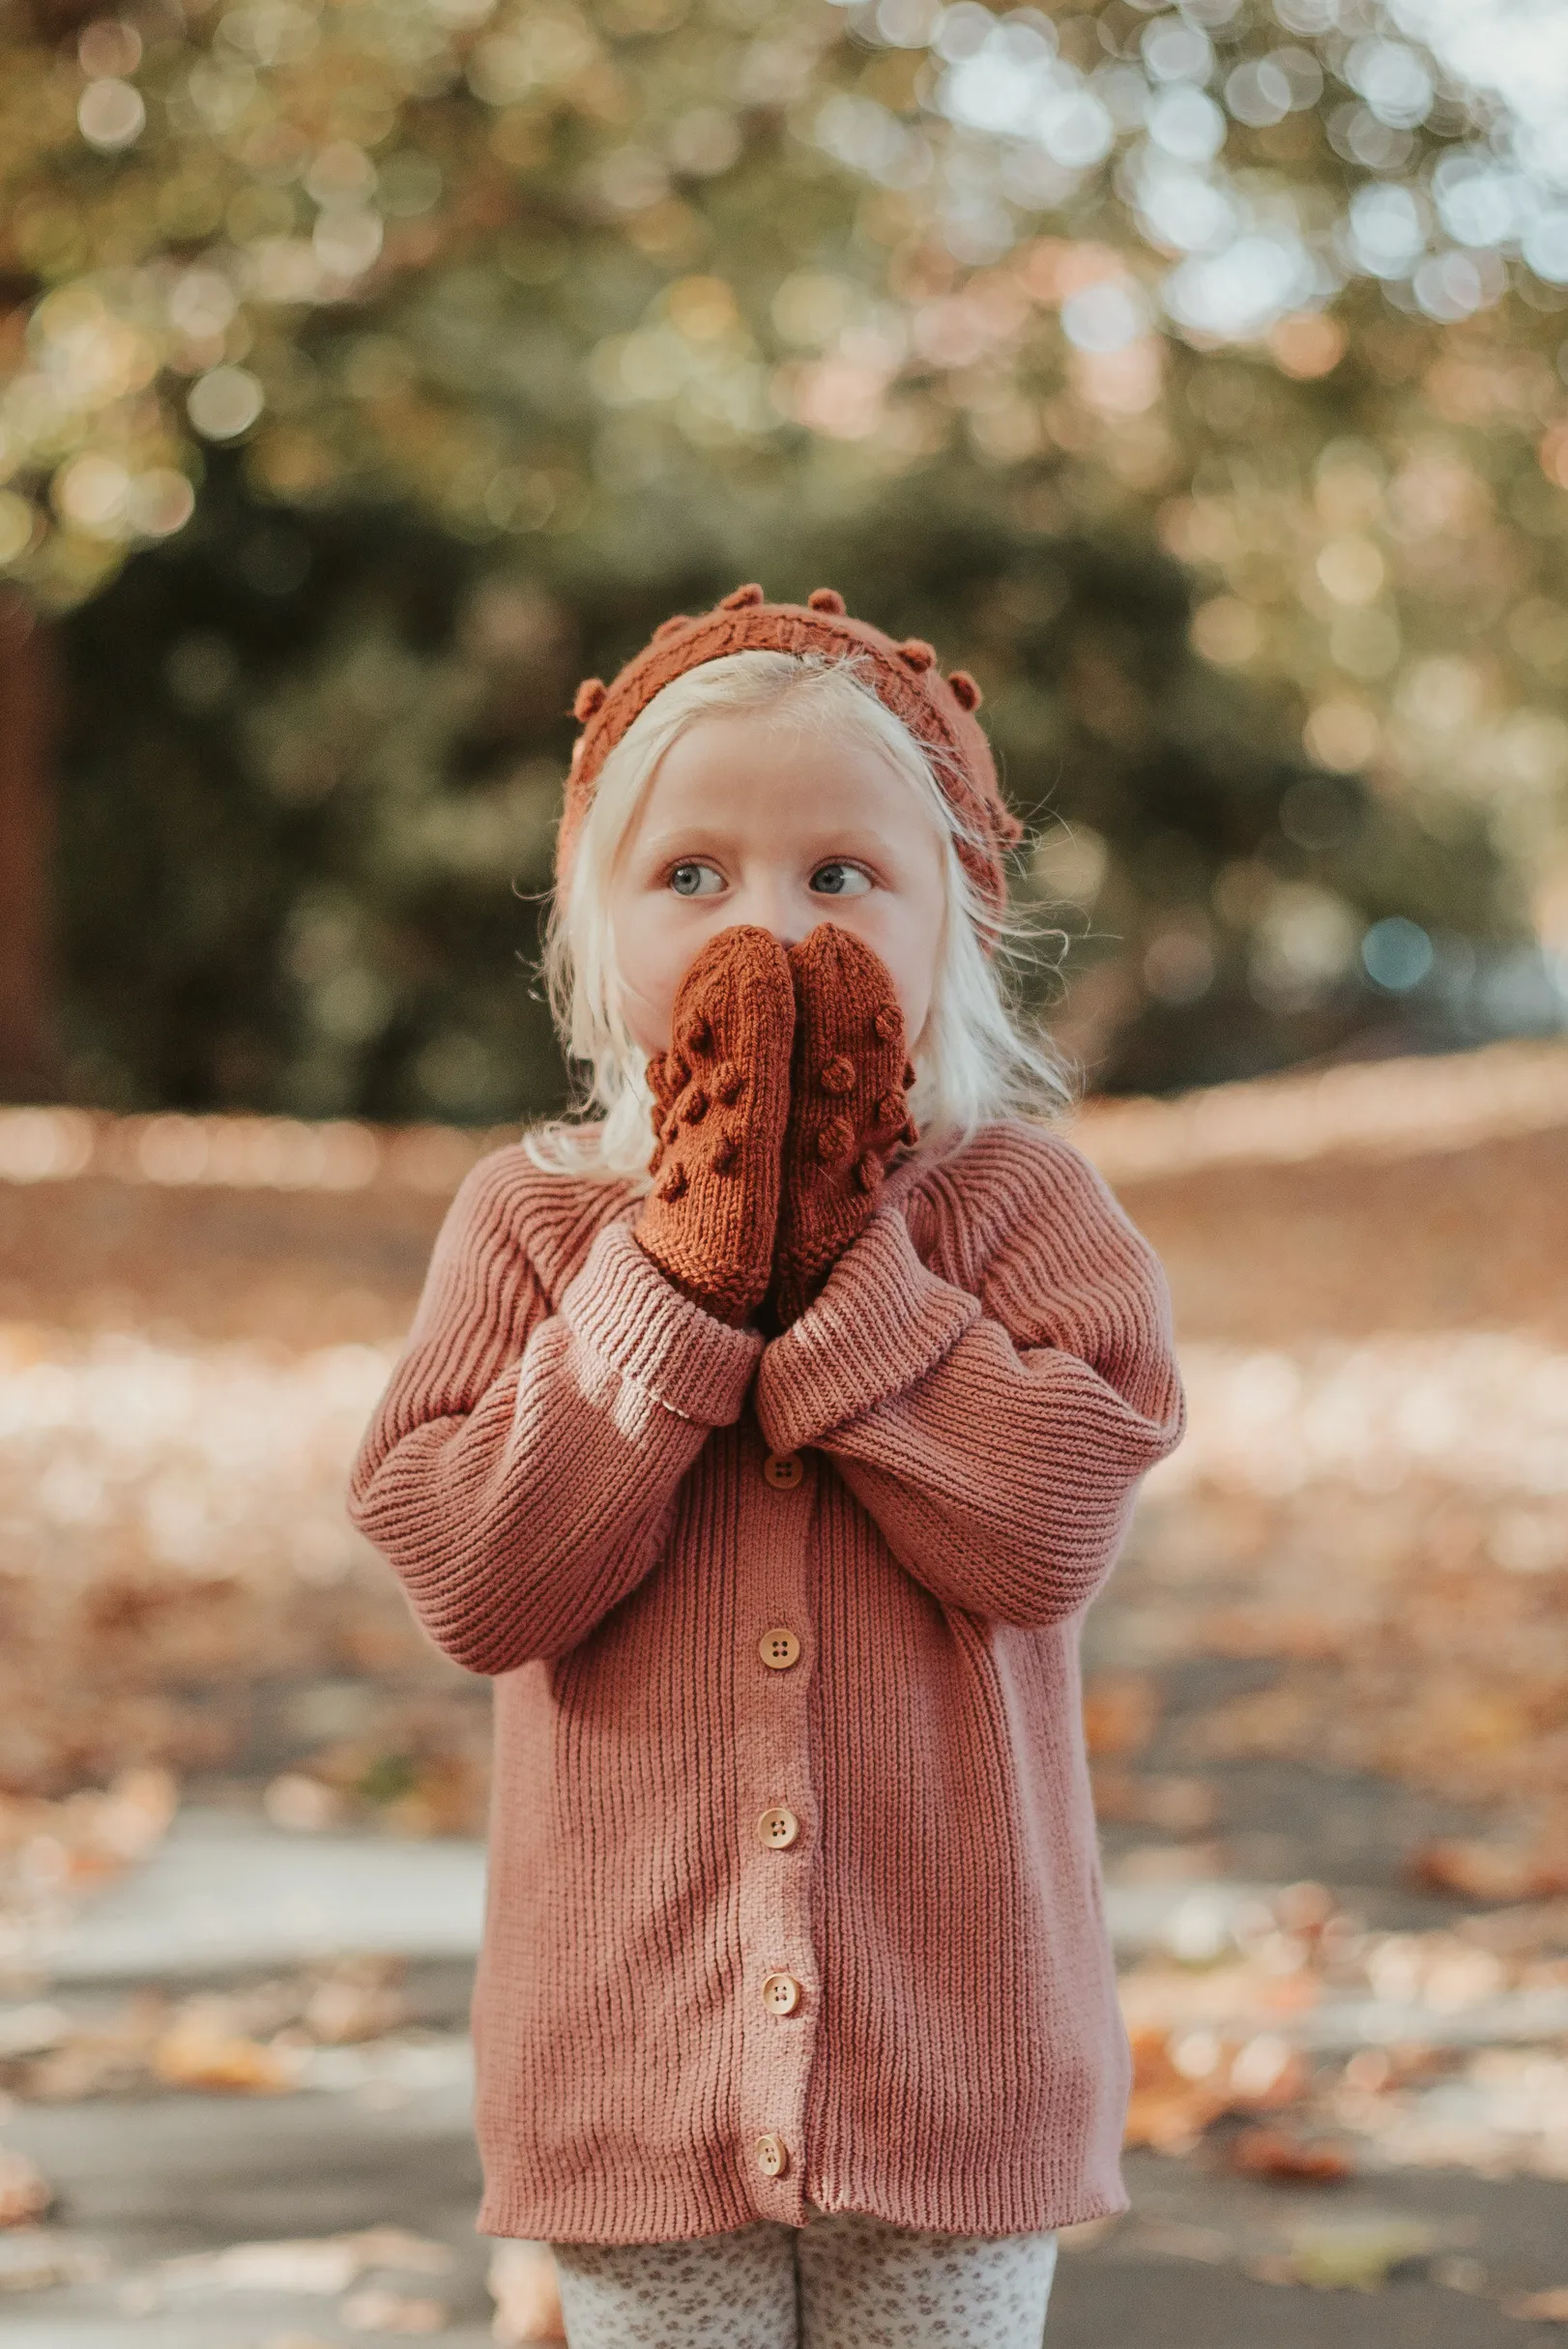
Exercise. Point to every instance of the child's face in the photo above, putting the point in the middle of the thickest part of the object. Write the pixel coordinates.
(751, 822)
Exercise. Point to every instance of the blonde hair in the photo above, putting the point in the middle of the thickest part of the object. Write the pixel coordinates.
(974, 1061)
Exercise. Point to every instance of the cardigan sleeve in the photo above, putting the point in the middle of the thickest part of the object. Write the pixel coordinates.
(997, 1437)
(522, 1464)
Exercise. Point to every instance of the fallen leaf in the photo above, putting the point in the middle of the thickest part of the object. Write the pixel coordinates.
(1501, 2109)
(373, 2311)
(130, 1818)
(1168, 2108)
(1265, 2073)
(1181, 1806)
(25, 2192)
(1119, 1711)
(1355, 2255)
(527, 2294)
(1548, 2308)
(261, 2039)
(395, 2246)
(301, 1804)
(309, 2263)
(1088, 2232)
(1273, 2153)
(35, 2259)
(92, 2061)
(324, 2265)
(32, 2029)
(1479, 1871)
(193, 2055)
(344, 2008)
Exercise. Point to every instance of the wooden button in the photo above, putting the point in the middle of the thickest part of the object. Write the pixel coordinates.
(778, 1828)
(772, 2156)
(782, 1993)
(779, 1650)
(784, 1470)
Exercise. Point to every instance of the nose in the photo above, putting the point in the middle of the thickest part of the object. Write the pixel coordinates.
(775, 903)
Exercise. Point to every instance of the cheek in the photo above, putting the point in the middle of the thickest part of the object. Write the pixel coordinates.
(649, 961)
(914, 925)
(909, 943)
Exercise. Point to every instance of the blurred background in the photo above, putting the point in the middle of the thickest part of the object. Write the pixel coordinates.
(1197, 375)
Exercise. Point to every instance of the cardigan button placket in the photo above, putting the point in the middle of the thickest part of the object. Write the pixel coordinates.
(774, 1661)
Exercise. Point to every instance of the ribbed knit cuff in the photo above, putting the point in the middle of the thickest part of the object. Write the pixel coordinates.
(881, 1322)
(624, 1311)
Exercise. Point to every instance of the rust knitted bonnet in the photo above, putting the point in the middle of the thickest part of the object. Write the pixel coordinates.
(938, 710)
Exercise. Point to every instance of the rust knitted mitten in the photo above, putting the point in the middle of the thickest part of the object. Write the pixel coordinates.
(721, 1096)
(847, 1109)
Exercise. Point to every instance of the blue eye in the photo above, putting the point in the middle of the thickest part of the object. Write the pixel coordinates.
(837, 880)
(689, 880)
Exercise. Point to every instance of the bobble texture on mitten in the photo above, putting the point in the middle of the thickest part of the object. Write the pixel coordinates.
(847, 1111)
(721, 1096)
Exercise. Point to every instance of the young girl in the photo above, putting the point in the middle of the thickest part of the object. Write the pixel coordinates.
(772, 1485)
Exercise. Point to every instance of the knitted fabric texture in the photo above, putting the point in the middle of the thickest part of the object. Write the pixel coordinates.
(720, 1099)
(615, 1502)
(847, 1109)
(938, 710)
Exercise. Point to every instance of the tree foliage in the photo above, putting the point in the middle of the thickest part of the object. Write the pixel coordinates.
(1191, 374)
(314, 761)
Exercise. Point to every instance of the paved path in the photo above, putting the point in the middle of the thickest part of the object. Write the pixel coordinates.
(226, 1891)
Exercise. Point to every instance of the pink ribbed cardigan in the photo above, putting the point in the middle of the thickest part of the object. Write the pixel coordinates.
(574, 1472)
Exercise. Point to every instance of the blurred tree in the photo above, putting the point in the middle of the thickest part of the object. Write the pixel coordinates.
(29, 1058)
(1271, 292)
(287, 851)
(313, 775)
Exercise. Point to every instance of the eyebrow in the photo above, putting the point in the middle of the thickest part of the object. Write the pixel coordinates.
(681, 835)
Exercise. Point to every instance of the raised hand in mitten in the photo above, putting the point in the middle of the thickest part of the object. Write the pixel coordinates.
(847, 1111)
(721, 1097)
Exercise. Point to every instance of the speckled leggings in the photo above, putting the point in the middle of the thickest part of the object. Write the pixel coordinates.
(842, 2282)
